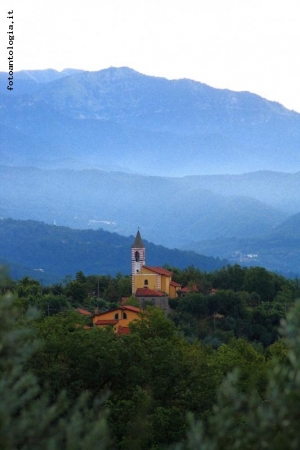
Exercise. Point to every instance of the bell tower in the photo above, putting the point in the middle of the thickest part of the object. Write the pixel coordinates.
(138, 257)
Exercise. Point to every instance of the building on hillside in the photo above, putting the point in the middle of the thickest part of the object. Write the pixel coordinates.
(119, 318)
(148, 296)
(193, 289)
(149, 283)
(83, 312)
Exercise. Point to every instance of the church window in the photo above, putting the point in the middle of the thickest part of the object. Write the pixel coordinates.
(137, 256)
(117, 316)
(124, 315)
(146, 282)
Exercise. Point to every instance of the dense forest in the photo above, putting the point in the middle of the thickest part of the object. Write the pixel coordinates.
(217, 373)
(50, 252)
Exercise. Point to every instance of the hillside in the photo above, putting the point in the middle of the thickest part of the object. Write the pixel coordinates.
(278, 250)
(172, 211)
(50, 252)
(118, 119)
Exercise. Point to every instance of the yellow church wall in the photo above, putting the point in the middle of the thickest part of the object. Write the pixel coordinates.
(157, 282)
(164, 280)
(165, 283)
(141, 278)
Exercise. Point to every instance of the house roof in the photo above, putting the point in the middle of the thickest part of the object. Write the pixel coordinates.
(145, 292)
(190, 289)
(84, 312)
(122, 308)
(173, 283)
(159, 270)
(107, 322)
(138, 243)
(123, 301)
(123, 330)
(131, 308)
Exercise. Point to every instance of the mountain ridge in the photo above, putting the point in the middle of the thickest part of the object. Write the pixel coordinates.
(183, 210)
(119, 117)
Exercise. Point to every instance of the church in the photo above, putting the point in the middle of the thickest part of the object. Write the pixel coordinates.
(150, 284)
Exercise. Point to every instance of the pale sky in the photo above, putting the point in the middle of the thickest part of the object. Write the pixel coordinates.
(251, 45)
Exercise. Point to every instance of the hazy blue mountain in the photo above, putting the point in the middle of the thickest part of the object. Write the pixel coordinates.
(28, 81)
(171, 211)
(288, 229)
(278, 250)
(51, 252)
(120, 119)
(280, 190)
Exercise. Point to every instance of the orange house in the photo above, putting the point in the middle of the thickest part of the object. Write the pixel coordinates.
(119, 318)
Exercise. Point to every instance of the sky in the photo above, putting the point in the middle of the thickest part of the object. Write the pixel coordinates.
(242, 45)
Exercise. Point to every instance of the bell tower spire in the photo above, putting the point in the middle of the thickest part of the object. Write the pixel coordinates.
(138, 257)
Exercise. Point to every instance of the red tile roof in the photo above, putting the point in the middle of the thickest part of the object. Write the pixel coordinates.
(131, 308)
(190, 289)
(145, 292)
(123, 330)
(159, 270)
(107, 322)
(121, 308)
(123, 300)
(83, 312)
(173, 283)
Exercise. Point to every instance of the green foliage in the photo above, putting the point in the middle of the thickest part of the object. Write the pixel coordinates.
(259, 280)
(242, 421)
(29, 420)
(152, 378)
(132, 301)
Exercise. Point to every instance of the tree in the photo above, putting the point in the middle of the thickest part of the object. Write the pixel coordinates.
(261, 281)
(29, 420)
(230, 277)
(244, 421)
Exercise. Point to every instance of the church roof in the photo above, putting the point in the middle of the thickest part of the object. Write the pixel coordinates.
(138, 243)
(146, 292)
(159, 270)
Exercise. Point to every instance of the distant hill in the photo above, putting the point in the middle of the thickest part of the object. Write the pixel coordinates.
(119, 119)
(50, 252)
(278, 250)
(172, 211)
(289, 229)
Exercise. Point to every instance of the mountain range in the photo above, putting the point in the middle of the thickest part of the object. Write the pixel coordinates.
(173, 211)
(119, 119)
